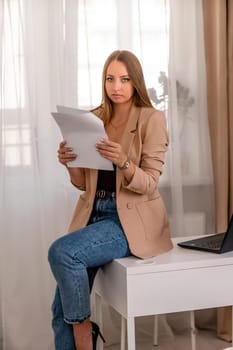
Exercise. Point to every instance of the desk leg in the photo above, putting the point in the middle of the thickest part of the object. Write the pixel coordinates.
(232, 326)
(155, 331)
(131, 333)
(193, 329)
(99, 318)
(123, 332)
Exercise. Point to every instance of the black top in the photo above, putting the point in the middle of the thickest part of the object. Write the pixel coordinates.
(107, 180)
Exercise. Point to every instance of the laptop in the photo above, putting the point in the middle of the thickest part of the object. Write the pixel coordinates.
(217, 243)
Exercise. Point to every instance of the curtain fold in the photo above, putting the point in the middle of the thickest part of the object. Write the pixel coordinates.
(36, 200)
(218, 27)
(190, 167)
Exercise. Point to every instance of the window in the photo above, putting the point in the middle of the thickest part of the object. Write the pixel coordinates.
(104, 26)
(18, 142)
(12, 80)
(15, 132)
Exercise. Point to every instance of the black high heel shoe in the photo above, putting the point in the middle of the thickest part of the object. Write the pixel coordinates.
(95, 333)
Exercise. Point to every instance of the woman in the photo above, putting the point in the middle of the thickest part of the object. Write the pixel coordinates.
(120, 212)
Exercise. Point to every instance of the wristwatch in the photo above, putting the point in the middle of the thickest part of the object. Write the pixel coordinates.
(125, 165)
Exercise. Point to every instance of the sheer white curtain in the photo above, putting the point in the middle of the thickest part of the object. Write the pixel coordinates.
(52, 52)
(189, 158)
(36, 200)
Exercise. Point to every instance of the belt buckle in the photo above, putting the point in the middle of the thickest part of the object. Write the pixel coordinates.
(101, 194)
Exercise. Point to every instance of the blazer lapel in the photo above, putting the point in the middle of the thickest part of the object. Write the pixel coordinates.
(128, 137)
(130, 129)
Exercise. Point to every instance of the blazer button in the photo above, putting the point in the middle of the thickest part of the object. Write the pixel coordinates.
(129, 205)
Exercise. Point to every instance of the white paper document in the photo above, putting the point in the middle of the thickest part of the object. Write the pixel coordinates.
(82, 130)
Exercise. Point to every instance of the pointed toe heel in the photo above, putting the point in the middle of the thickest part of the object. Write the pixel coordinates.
(95, 333)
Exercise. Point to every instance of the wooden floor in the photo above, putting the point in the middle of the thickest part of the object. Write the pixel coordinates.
(171, 335)
(206, 340)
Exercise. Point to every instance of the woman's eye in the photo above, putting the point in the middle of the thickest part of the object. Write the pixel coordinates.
(125, 80)
(108, 78)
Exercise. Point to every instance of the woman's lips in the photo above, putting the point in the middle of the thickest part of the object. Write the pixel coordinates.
(116, 95)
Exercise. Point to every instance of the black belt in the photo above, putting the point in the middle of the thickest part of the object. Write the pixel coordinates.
(105, 194)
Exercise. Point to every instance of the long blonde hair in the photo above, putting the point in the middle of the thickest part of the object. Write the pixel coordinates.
(134, 69)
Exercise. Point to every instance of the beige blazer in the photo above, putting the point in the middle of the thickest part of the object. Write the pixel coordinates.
(140, 208)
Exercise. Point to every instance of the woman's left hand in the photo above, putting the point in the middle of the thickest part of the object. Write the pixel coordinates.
(112, 151)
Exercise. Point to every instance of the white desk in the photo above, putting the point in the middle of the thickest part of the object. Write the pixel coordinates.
(180, 280)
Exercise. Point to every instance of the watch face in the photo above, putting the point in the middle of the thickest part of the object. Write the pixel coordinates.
(127, 164)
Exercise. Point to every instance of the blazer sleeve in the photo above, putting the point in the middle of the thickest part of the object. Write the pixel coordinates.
(154, 144)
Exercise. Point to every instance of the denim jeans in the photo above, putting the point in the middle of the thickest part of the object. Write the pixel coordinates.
(74, 260)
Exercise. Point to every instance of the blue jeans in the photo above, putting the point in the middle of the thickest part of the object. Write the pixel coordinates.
(75, 259)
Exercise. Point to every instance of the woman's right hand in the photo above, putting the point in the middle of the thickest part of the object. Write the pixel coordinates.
(65, 154)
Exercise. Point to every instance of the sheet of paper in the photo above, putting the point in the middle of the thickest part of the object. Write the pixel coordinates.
(82, 130)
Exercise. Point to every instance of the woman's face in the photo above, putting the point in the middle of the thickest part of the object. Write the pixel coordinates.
(118, 85)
